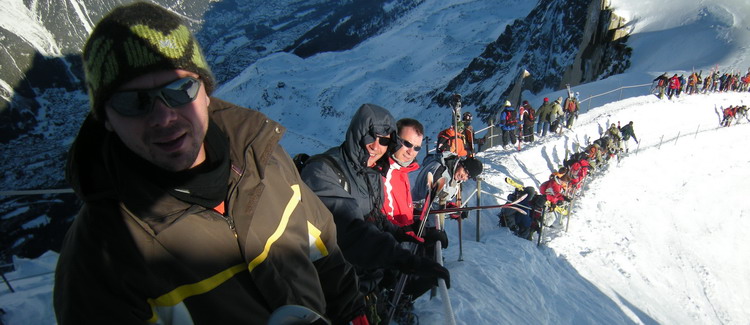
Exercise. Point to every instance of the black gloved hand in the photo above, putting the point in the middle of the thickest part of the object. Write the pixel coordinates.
(424, 267)
(432, 235)
(407, 234)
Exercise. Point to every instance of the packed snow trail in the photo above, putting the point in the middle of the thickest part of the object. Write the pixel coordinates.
(657, 238)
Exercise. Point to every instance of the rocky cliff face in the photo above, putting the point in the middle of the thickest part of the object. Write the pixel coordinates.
(559, 42)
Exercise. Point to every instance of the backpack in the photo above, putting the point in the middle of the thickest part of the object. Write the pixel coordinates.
(571, 107)
(531, 116)
(510, 118)
(301, 160)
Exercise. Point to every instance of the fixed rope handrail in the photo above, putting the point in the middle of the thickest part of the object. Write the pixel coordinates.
(36, 192)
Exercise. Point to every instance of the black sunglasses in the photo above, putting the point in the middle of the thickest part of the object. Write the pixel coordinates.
(384, 141)
(410, 145)
(133, 103)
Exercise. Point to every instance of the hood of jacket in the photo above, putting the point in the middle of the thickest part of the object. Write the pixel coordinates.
(368, 122)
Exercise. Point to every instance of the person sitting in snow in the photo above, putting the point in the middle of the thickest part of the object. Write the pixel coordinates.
(728, 115)
(577, 171)
(594, 155)
(555, 187)
(520, 223)
(553, 190)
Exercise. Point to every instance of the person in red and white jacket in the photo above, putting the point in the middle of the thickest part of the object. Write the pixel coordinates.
(397, 205)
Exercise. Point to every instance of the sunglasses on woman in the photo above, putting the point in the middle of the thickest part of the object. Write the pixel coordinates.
(134, 103)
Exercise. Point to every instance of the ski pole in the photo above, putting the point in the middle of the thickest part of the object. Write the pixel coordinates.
(460, 227)
(401, 284)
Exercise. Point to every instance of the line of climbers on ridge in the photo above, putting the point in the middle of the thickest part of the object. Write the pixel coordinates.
(695, 83)
(564, 184)
(515, 125)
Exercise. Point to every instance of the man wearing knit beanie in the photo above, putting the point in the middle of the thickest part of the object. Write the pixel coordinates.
(192, 211)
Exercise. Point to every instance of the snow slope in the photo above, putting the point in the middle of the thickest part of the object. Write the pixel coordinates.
(657, 238)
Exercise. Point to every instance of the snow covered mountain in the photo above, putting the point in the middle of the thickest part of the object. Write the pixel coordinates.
(609, 272)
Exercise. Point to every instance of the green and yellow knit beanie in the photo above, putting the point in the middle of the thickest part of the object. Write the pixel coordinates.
(134, 40)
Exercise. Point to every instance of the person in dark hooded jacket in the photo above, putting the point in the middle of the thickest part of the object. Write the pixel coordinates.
(364, 233)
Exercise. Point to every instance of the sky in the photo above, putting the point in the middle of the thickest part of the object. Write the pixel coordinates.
(653, 239)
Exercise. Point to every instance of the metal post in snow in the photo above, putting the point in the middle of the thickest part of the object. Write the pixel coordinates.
(660, 142)
(7, 282)
(442, 289)
(696, 131)
(479, 202)
(678, 136)
(492, 131)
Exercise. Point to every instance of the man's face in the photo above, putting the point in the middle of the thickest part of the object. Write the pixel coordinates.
(411, 139)
(377, 149)
(168, 137)
(461, 175)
